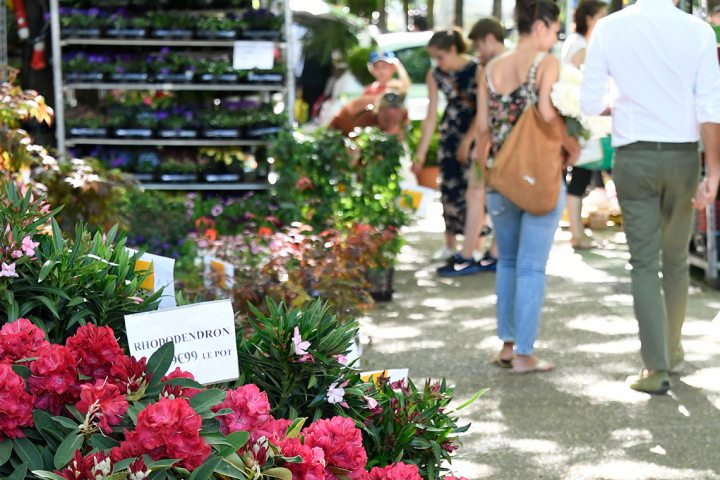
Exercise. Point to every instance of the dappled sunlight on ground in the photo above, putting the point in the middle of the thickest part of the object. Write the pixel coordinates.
(580, 421)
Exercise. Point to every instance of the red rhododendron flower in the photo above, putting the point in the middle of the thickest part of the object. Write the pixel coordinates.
(250, 411)
(342, 443)
(450, 477)
(313, 460)
(102, 402)
(167, 429)
(129, 374)
(398, 471)
(20, 339)
(95, 349)
(54, 379)
(15, 404)
(176, 391)
(93, 466)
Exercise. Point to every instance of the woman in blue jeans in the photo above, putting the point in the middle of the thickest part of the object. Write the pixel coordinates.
(514, 81)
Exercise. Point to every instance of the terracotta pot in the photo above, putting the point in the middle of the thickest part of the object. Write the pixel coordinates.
(429, 177)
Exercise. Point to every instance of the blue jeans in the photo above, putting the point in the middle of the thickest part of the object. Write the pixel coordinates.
(524, 242)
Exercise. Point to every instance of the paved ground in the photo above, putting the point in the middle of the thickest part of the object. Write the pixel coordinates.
(579, 422)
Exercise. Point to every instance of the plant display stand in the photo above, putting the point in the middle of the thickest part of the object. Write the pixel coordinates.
(704, 244)
(150, 88)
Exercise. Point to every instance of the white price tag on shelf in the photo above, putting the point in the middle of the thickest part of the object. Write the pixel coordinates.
(251, 54)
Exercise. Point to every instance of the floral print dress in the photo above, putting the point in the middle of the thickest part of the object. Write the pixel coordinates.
(460, 89)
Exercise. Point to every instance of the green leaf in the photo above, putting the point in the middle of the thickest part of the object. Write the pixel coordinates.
(6, 447)
(66, 422)
(229, 470)
(23, 371)
(46, 269)
(57, 235)
(472, 399)
(160, 362)
(278, 472)
(28, 453)
(76, 301)
(67, 449)
(163, 464)
(20, 473)
(49, 475)
(236, 440)
(183, 382)
(123, 464)
(206, 469)
(48, 304)
(101, 442)
(203, 401)
(295, 428)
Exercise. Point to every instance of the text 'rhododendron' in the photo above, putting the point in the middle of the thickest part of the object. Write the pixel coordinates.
(103, 403)
(398, 471)
(341, 441)
(96, 350)
(313, 460)
(20, 339)
(167, 429)
(15, 404)
(54, 379)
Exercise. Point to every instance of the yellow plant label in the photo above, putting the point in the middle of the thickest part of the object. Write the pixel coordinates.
(142, 266)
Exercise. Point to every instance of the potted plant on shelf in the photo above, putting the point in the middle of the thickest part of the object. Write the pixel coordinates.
(146, 166)
(225, 164)
(120, 25)
(82, 67)
(218, 71)
(81, 23)
(263, 122)
(222, 124)
(273, 76)
(171, 26)
(173, 68)
(220, 28)
(430, 175)
(131, 123)
(178, 170)
(179, 123)
(129, 69)
(261, 24)
(82, 122)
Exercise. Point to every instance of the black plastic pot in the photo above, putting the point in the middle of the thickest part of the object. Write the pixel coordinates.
(220, 133)
(265, 78)
(181, 33)
(261, 34)
(178, 177)
(100, 132)
(223, 177)
(259, 131)
(130, 77)
(126, 32)
(184, 77)
(133, 132)
(217, 34)
(87, 77)
(177, 133)
(92, 32)
(381, 284)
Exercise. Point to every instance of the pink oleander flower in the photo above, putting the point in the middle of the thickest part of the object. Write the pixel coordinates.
(16, 254)
(341, 441)
(28, 246)
(342, 359)
(103, 404)
(167, 429)
(313, 460)
(336, 394)
(54, 380)
(20, 339)
(8, 271)
(175, 391)
(91, 467)
(371, 403)
(398, 471)
(96, 350)
(300, 345)
(15, 404)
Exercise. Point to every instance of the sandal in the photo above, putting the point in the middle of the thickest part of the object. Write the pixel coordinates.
(541, 366)
(501, 362)
(584, 243)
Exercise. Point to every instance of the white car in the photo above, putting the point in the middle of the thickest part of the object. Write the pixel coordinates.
(409, 48)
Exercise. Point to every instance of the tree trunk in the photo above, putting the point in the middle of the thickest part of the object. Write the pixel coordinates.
(431, 14)
(497, 9)
(406, 12)
(382, 19)
(459, 13)
(616, 5)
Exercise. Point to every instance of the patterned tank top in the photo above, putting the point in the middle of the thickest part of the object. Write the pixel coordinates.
(504, 110)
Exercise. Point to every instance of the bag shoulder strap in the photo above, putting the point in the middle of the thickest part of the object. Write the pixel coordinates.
(532, 77)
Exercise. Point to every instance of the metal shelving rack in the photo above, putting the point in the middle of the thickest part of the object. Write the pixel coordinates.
(710, 261)
(62, 89)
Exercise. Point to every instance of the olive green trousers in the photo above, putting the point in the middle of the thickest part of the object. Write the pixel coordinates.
(656, 183)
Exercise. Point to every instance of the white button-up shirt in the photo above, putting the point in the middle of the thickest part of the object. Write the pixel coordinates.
(663, 64)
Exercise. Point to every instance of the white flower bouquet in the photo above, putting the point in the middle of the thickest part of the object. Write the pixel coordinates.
(565, 96)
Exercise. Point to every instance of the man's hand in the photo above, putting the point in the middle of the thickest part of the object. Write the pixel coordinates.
(571, 151)
(706, 192)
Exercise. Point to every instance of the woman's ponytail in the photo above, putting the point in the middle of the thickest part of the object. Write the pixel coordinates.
(527, 12)
(446, 39)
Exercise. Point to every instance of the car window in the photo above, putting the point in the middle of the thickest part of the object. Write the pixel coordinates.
(416, 61)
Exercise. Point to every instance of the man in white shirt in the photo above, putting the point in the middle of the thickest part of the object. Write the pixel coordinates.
(664, 66)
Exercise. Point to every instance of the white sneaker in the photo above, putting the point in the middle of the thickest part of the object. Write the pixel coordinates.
(443, 254)
(478, 255)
